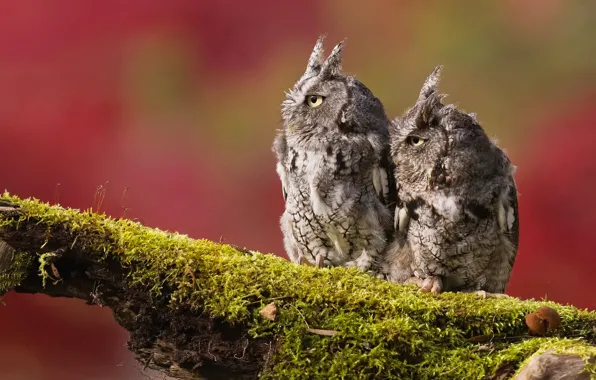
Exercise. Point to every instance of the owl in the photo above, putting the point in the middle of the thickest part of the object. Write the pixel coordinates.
(333, 160)
(456, 217)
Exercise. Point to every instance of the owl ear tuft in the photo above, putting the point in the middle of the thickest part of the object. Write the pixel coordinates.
(429, 107)
(431, 83)
(428, 110)
(332, 65)
(315, 62)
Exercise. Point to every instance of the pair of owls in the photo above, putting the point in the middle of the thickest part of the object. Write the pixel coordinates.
(426, 198)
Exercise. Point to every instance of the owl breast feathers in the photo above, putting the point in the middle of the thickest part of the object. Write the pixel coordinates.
(334, 166)
(456, 219)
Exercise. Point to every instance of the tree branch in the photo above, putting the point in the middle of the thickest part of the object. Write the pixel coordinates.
(199, 309)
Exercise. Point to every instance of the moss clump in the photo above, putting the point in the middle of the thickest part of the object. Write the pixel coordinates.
(15, 271)
(383, 330)
(568, 347)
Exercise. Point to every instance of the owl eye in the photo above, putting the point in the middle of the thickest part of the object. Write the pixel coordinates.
(415, 140)
(314, 101)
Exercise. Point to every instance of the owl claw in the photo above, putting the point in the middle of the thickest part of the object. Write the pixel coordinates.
(320, 261)
(432, 284)
(303, 261)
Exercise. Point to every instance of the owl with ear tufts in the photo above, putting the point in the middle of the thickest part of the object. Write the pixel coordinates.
(456, 219)
(334, 165)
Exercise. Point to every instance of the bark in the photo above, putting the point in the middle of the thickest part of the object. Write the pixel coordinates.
(51, 251)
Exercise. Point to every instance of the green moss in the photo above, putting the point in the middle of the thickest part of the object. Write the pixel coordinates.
(15, 272)
(564, 346)
(46, 260)
(384, 330)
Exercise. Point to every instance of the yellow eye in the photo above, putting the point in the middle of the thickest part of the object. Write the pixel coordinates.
(415, 140)
(314, 101)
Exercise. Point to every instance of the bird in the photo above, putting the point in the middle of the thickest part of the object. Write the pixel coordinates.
(333, 161)
(456, 219)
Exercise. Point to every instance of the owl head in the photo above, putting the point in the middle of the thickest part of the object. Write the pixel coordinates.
(436, 146)
(325, 101)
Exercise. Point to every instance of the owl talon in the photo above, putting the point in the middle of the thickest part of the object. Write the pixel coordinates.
(432, 284)
(303, 261)
(480, 293)
(320, 261)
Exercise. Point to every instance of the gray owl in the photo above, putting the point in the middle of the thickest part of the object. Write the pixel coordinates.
(456, 219)
(334, 164)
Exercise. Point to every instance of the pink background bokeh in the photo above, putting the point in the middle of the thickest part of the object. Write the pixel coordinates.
(178, 101)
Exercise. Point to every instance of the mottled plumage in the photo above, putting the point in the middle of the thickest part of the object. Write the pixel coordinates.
(456, 219)
(334, 166)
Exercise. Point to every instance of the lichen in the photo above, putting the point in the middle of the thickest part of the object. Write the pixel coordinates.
(383, 330)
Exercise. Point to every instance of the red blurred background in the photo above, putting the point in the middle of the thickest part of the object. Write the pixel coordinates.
(178, 101)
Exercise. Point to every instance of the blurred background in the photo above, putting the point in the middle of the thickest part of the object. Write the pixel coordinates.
(178, 102)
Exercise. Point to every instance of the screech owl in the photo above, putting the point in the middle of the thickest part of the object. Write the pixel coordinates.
(334, 165)
(456, 218)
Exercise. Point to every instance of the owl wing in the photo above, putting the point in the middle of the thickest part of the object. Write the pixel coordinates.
(384, 181)
(284, 178)
(280, 148)
(508, 217)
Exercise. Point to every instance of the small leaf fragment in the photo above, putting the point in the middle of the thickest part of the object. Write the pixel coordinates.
(269, 312)
(55, 271)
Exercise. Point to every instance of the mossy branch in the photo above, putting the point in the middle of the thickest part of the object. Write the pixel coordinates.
(199, 309)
